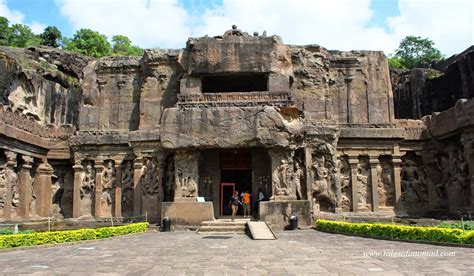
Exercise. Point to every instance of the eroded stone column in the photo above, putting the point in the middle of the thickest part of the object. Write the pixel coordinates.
(99, 169)
(137, 175)
(76, 193)
(374, 179)
(117, 205)
(12, 199)
(43, 189)
(397, 180)
(186, 175)
(25, 181)
(353, 162)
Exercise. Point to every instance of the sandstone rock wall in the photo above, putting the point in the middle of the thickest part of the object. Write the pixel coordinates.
(43, 83)
(420, 92)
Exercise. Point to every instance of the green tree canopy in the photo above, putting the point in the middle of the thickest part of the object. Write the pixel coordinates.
(51, 37)
(91, 43)
(21, 36)
(122, 45)
(415, 51)
(4, 31)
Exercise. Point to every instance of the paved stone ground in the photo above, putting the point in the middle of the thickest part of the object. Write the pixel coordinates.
(184, 253)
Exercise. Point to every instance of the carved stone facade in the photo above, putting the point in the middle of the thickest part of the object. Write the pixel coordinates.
(145, 137)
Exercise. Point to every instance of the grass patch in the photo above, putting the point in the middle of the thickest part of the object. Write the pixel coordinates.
(398, 232)
(41, 238)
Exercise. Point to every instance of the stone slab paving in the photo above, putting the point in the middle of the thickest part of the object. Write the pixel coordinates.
(187, 253)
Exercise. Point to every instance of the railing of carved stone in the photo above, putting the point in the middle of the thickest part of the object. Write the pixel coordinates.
(235, 99)
(30, 124)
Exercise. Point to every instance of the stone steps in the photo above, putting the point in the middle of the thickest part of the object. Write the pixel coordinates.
(239, 226)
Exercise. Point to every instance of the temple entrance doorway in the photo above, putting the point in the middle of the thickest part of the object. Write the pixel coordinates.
(235, 175)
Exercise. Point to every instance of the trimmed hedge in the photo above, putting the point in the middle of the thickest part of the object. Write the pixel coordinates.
(18, 240)
(397, 232)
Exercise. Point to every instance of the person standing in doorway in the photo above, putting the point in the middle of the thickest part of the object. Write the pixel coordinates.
(246, 200)
(234, 204)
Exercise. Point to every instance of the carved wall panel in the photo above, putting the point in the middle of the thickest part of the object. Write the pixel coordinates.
(414, 184)
(108, 183)
(385, 184)
(127, 188)
(344, 171)
(87, 189)
(364, 191)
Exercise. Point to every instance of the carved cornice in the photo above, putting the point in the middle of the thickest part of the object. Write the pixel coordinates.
(237, 99)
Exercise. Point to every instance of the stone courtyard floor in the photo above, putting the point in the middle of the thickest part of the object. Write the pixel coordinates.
(186, 253)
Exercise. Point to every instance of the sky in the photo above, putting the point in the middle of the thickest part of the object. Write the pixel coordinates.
(333, 24)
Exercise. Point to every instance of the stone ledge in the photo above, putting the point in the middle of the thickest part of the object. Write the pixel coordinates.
(277, 213)
(373, 133)
(187, 213)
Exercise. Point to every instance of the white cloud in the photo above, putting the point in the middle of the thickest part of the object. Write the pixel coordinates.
(335, 24)
(16, 17)
(13, 16)
(448, 23)
(37, 28)
(148, 23)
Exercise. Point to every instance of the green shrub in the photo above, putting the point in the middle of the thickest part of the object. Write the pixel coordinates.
(468, 225)
(399, 232)
(18, 240)
(10, 231)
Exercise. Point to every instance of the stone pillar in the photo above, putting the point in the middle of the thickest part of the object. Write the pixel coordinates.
(353, 162)
(43, 189)
(397, 180)
(137, 195)
(309, 173)
(374, 178)
(99, 169)
(186, 165)
(12, 183)
(349, 78)
(76, 193)
(25, 185)
(117, 204)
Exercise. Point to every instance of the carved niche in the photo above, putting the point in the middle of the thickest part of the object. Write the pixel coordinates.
(87, 188)
(385, 185)
(283, 174)
(344, 171)
(186, 174)
(108, 180)
(127, 188)
(326, 187)
(364, 192)
(414, 186)
(61, 193)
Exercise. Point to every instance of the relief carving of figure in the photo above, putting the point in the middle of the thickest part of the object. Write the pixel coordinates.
(86, 189)
(108, 177)
(57, 191)
(3, 189)
(321, 184)
(298, 177)
(127, 188)
(345, 179)
(186, 175)
(363, 192)
(413, 190)
(385, 185)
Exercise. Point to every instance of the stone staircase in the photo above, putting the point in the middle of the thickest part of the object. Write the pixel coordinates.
(223, 227)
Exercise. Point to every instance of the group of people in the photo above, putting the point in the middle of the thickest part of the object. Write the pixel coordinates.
(244, 200)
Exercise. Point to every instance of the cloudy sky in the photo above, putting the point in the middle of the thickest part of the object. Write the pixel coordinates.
(334, 24)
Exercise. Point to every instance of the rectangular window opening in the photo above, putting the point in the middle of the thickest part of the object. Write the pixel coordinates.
(234, 83)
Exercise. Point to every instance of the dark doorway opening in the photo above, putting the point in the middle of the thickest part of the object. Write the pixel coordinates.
(234, 83)
(242, 180)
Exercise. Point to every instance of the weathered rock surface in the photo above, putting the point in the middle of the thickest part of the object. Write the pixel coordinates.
(422, 91)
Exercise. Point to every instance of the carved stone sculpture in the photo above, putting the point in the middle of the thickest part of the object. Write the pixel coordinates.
(345, 180)
(108, 177)
(86, 190)
(127, 189)
(3, 190)
(385, 186)
(321, 184)
(414, 192)
(298, 178)
(186, 174)
(363, 187)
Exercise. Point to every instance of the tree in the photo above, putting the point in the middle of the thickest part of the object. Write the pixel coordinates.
(122, 45)
(415, 51)
(51, 37)
(90, 43)
(4, 31)
(21, 36)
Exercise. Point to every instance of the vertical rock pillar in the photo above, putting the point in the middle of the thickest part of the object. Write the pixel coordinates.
(99, 169)
(117, 205)
(11, 184)
(76, 194)
(353, 162)
(43, 189)
(25, 182)
(397, 180)
(374, 179)
(137, 196)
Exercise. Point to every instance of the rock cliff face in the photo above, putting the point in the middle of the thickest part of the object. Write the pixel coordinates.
(420, 92)
(43, 83)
